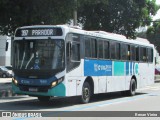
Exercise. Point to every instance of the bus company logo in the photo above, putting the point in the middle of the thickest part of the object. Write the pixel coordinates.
(102, 67)
(96, 68)
(25, 82)
(136, 68)
(6, 114)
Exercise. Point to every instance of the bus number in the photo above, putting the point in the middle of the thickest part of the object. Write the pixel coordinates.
(24, 32)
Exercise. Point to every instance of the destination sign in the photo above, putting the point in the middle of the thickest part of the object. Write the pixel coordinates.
(34, 32)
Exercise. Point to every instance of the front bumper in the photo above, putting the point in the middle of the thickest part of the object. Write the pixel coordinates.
(58, 90)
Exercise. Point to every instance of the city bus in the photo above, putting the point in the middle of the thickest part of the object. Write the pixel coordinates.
(61, 61)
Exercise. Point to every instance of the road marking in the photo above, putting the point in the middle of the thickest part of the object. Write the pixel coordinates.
(99, 104)
(149, 88)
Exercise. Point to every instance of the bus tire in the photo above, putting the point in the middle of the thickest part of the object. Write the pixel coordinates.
(86, 93)
(43, 98)
(133, 87)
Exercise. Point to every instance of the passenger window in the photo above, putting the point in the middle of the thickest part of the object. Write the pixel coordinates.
(117, 51)
(106, 49)
(100, 49)
(87, 47)
(123, 51)
(150, 55)
(133, 53)
(112, 49)
(94, 48)
(137, 54)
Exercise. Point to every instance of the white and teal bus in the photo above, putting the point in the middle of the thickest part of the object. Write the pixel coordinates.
(60, 61)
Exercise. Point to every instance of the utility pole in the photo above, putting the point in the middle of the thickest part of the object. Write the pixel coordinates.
(75, 13)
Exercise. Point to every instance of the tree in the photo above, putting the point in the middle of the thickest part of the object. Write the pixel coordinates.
(16, 13)
(118, 16)
(153, 34)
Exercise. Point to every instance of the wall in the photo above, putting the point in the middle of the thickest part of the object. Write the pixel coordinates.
(5, 56)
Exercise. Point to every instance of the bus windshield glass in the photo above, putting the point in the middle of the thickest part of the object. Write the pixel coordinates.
(39, 54)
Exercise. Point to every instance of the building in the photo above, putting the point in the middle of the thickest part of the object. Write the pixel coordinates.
(5, 51)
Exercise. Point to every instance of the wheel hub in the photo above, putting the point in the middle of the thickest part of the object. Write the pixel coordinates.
(86, 93)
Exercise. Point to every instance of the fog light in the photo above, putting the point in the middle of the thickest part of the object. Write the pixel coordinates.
(53, 84)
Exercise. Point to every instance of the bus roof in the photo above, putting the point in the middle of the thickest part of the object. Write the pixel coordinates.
(99, 34)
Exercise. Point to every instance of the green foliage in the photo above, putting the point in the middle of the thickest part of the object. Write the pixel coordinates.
(153, 34)
(117, 16)
(15, 13)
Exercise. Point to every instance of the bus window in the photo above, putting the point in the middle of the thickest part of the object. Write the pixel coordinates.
(142, 54)
(133, 53)
(87, 47)
(150, 55)
(75, 54)
(75, 48)
(93, 48)
(128, 52)
(112, 50)
(117, 51)
(106, 49)
(137, 54)
(145, 54)
(100, 49)
(123, 51)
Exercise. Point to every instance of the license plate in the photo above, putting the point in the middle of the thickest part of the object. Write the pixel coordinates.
(33, 89)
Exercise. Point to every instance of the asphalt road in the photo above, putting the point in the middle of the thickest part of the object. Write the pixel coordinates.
(147, 101)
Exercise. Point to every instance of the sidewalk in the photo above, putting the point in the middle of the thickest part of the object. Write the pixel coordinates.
(6, 88)
(5, 80)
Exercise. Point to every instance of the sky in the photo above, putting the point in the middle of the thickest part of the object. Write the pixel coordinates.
(157, 16)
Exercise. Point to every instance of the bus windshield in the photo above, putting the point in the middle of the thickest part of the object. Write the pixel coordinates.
(39, 54)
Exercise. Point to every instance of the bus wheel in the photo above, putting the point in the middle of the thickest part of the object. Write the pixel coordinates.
(133, 87)
(86, 93)
(43, 99)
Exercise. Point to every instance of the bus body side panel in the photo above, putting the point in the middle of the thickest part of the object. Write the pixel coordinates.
(146, 72)
(75, 80)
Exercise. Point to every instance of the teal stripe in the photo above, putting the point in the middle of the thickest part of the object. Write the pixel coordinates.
(119, 69)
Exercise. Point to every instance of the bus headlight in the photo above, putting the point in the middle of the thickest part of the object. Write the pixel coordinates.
(15, 81)
(54, 84)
